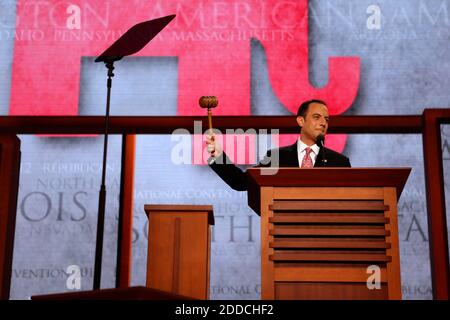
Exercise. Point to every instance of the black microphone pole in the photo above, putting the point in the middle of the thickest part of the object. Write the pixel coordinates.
(102, 194)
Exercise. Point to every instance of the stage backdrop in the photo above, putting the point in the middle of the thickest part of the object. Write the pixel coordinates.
(260, 58)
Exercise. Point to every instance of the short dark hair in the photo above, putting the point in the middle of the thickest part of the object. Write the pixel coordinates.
(305, 105)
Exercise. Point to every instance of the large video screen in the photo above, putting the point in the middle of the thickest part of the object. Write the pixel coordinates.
(260, 57)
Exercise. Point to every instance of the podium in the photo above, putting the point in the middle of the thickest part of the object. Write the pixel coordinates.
(179, 249)
(328, 233)
(178, 265)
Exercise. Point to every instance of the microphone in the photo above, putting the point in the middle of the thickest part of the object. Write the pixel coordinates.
(320, 141)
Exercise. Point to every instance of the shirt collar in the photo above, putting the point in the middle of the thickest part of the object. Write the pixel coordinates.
(301, 146)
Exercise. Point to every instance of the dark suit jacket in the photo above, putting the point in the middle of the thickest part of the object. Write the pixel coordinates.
(288, 157)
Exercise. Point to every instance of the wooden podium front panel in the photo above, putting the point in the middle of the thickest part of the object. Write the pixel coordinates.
(322, 240)
(328, 291)
(179, 252)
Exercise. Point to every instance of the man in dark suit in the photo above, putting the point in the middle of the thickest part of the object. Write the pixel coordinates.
(312, 117)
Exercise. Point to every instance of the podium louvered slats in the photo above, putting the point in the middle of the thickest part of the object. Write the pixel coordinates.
(331, 205)
(323, 231)
(328, 230)
(335, 218)
(328, 243)
(328, 256)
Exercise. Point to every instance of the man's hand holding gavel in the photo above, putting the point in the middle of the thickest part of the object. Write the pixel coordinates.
(214, 147)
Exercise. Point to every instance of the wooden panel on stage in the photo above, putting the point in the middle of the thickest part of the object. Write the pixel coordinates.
(9, 187)
(322, 228)
(179, 249)
(130, 293)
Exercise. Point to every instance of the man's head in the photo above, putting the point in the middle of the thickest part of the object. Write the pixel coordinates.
(312, 117)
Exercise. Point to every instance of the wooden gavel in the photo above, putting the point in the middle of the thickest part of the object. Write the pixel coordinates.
(209, 102)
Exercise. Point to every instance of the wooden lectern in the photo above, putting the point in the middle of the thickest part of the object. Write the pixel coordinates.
(179, 249)
(9, 187)
(328, 233)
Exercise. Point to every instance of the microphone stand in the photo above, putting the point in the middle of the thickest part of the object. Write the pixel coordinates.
(324, 158)
(321, 142)
(102, 194)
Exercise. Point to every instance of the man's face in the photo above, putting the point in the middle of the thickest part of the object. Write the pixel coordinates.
(315, 121)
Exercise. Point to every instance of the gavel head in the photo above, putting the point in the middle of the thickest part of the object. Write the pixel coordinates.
(208, 102)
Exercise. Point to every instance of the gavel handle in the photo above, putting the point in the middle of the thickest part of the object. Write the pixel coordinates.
(210, 121)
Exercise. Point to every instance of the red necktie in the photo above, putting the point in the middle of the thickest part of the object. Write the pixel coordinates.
(307, 161)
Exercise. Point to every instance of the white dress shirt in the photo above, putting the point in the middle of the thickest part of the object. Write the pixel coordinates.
(301, 146)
